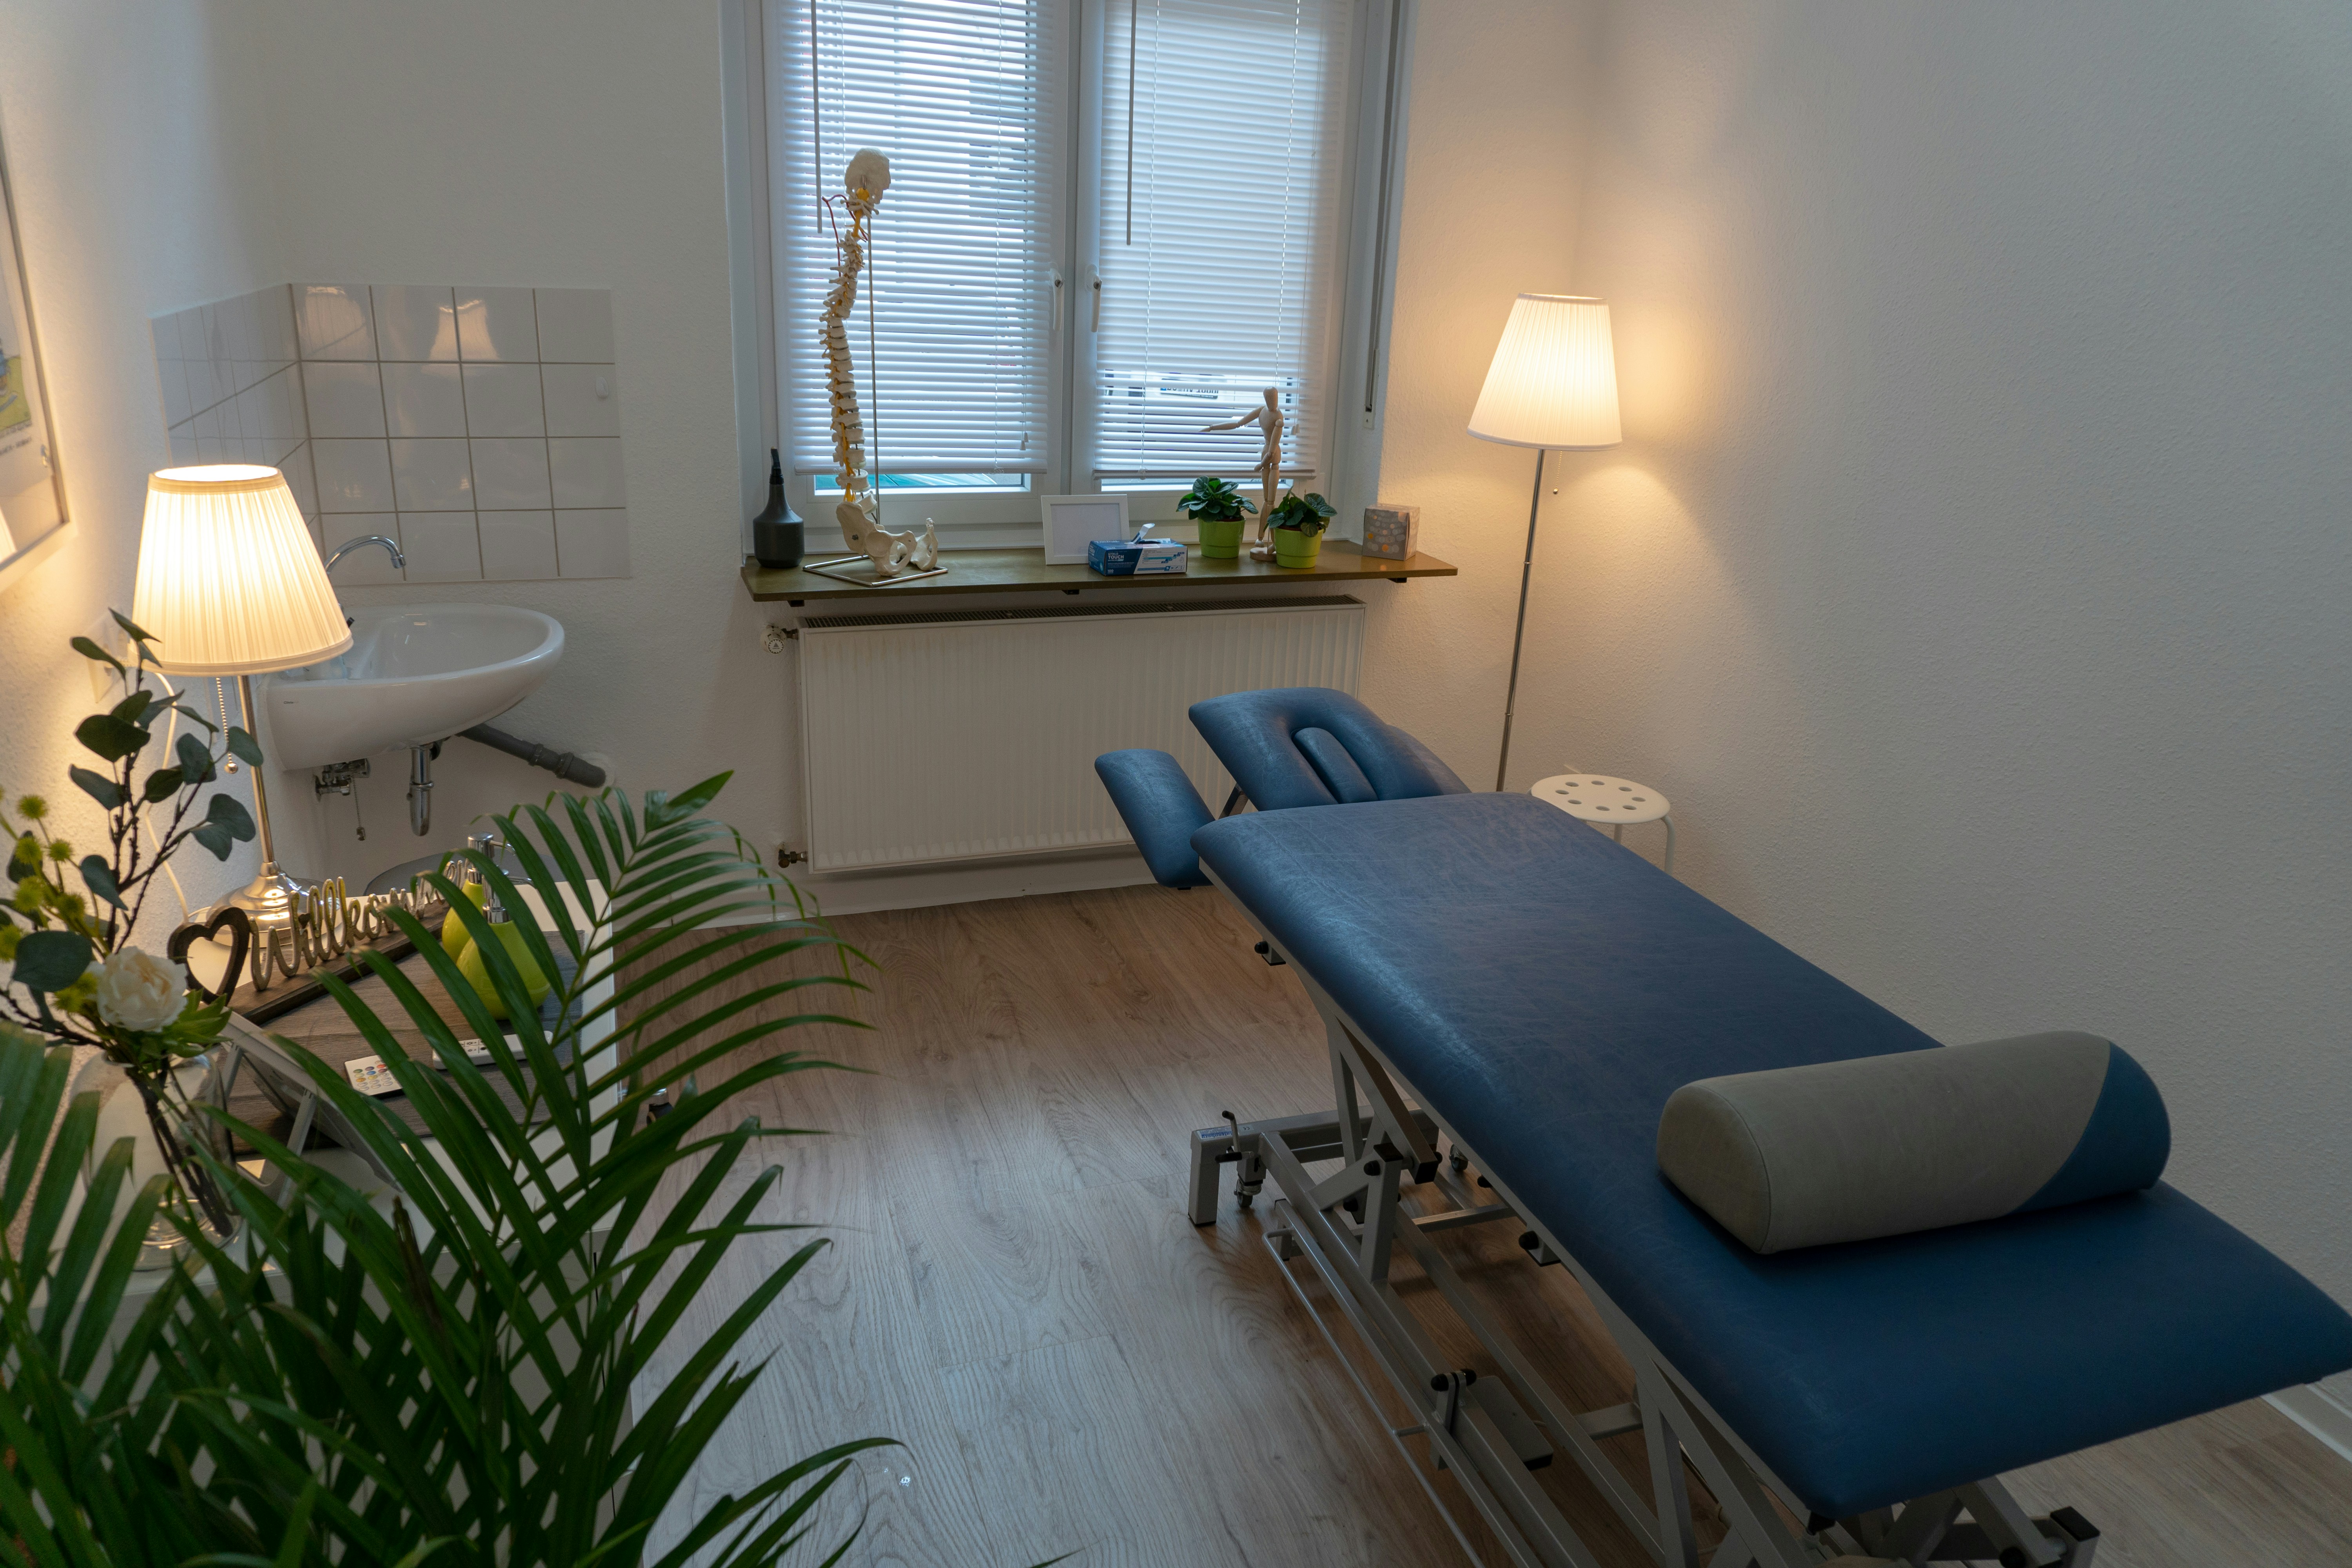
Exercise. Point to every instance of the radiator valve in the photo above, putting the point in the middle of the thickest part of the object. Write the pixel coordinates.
(773, 637)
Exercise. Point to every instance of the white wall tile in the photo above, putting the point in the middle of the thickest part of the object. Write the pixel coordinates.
(344, 400)
(510, 474)
(586, 472)
(300, 480)
(582, 399)
(432, 476)
(415, 323)
(332, 322)
(441, 547)
(353, 476)
(496, 324)
(282, 344)
(575, 325)
(592, 543)
(362, 568)
(518, 546)
(423, 400)
(502, 400)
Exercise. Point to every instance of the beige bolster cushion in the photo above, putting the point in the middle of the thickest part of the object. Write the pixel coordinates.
(1848, 1150)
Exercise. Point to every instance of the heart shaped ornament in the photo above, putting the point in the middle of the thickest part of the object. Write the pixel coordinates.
(214, 964)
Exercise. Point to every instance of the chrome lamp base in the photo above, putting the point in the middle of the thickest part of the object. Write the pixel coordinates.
(268, 900)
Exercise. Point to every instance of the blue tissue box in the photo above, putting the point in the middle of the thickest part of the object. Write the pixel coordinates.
(1137, 557)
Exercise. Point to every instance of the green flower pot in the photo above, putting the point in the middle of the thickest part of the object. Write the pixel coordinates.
(1221, 540)
(1296, 548)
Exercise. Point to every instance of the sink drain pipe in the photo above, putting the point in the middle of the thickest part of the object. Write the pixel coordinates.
(563, 765)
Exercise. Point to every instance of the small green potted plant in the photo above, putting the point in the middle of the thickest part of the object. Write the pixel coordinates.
(1217, 508)
(1297, 529)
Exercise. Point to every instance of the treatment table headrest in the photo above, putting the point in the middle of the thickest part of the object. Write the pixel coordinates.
(1297, 745)
(1309, 745)
(1874, 1146)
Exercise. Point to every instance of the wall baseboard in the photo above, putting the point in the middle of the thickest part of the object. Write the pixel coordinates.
(2319, 1412)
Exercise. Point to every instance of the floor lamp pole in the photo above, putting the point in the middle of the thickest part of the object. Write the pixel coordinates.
(1519, 634)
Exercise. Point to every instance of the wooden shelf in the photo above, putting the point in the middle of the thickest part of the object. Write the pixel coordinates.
(1025, 572)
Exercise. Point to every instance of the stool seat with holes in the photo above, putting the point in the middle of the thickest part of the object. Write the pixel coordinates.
(1612, 803)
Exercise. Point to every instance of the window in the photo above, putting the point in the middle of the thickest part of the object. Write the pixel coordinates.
(1110, 223)
(1213, 232)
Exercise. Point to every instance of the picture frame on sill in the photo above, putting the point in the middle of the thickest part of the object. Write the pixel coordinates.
(32, 492)
(1071, 524)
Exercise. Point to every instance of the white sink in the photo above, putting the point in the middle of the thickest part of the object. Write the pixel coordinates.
(414, 674)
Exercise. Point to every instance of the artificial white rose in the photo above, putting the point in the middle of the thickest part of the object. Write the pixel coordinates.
(136, 990)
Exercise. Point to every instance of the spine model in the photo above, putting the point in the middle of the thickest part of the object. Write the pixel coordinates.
(859, 512)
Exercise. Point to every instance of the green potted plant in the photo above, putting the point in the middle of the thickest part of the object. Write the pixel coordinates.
(1217, 508)
(1297, 529)
(68, 968)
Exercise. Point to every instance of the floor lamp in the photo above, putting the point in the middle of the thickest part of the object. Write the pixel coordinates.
(1553, 386)
(230, 584)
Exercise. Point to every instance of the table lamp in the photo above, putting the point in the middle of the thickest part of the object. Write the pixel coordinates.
(230, 584)
(1553, 386)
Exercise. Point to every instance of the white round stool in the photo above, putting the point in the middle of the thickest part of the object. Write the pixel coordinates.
(1616, 804)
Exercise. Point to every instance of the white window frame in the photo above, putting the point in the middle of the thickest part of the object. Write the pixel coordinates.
(1378, 98)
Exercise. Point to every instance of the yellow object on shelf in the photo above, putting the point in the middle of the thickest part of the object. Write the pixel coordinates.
(478, 973)
(455, 937)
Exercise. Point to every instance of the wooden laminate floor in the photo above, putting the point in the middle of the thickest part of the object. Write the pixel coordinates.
(1014, 1293)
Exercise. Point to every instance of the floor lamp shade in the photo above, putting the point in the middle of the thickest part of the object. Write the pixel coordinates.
(229, 579)
(1553, 381)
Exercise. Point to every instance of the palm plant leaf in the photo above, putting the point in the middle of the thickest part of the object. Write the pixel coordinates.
(442, 1374)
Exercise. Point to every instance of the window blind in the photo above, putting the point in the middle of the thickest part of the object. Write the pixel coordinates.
(965, 99)
(1219, 197)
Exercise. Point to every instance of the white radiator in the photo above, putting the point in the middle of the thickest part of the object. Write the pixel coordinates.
(959, 735)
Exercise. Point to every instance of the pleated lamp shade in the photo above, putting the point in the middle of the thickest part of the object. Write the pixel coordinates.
(1554, 380)
(229, 581)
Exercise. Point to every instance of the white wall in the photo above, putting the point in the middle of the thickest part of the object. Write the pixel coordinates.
(141, 171)
(537, 142)
(1492, 166)
(1976, 575)
(555, 142)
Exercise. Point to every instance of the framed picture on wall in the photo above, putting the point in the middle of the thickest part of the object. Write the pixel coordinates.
(32, 498)
(1072, 522)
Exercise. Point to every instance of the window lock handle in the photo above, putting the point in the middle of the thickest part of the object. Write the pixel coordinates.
(1056, 275)
(1097, 321)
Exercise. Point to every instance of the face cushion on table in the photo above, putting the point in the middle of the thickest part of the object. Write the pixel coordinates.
(1545, 991)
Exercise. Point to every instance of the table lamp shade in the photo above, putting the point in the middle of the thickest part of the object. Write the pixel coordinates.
(229, 580)
(1554, 379)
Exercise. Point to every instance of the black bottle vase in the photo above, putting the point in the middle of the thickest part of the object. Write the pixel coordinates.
(777, 536)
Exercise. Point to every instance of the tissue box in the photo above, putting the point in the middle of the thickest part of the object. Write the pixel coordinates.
(1137, 557)
(1391, 532)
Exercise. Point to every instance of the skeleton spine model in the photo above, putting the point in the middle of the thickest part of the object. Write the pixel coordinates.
(859, 512)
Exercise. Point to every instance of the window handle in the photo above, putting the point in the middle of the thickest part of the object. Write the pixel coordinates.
(1057, 276)
(1098, 323)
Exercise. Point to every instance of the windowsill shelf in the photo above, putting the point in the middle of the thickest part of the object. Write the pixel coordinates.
(1025, 572)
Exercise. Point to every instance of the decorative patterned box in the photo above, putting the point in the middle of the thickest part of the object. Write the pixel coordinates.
(1137, 557)
(1391, 532)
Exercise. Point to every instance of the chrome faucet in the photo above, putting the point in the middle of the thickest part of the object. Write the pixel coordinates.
(391, 546)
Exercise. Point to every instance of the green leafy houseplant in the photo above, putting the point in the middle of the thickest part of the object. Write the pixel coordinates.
(1217, 508)
(1297, 526)
(442, 1375)
(74, 974)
